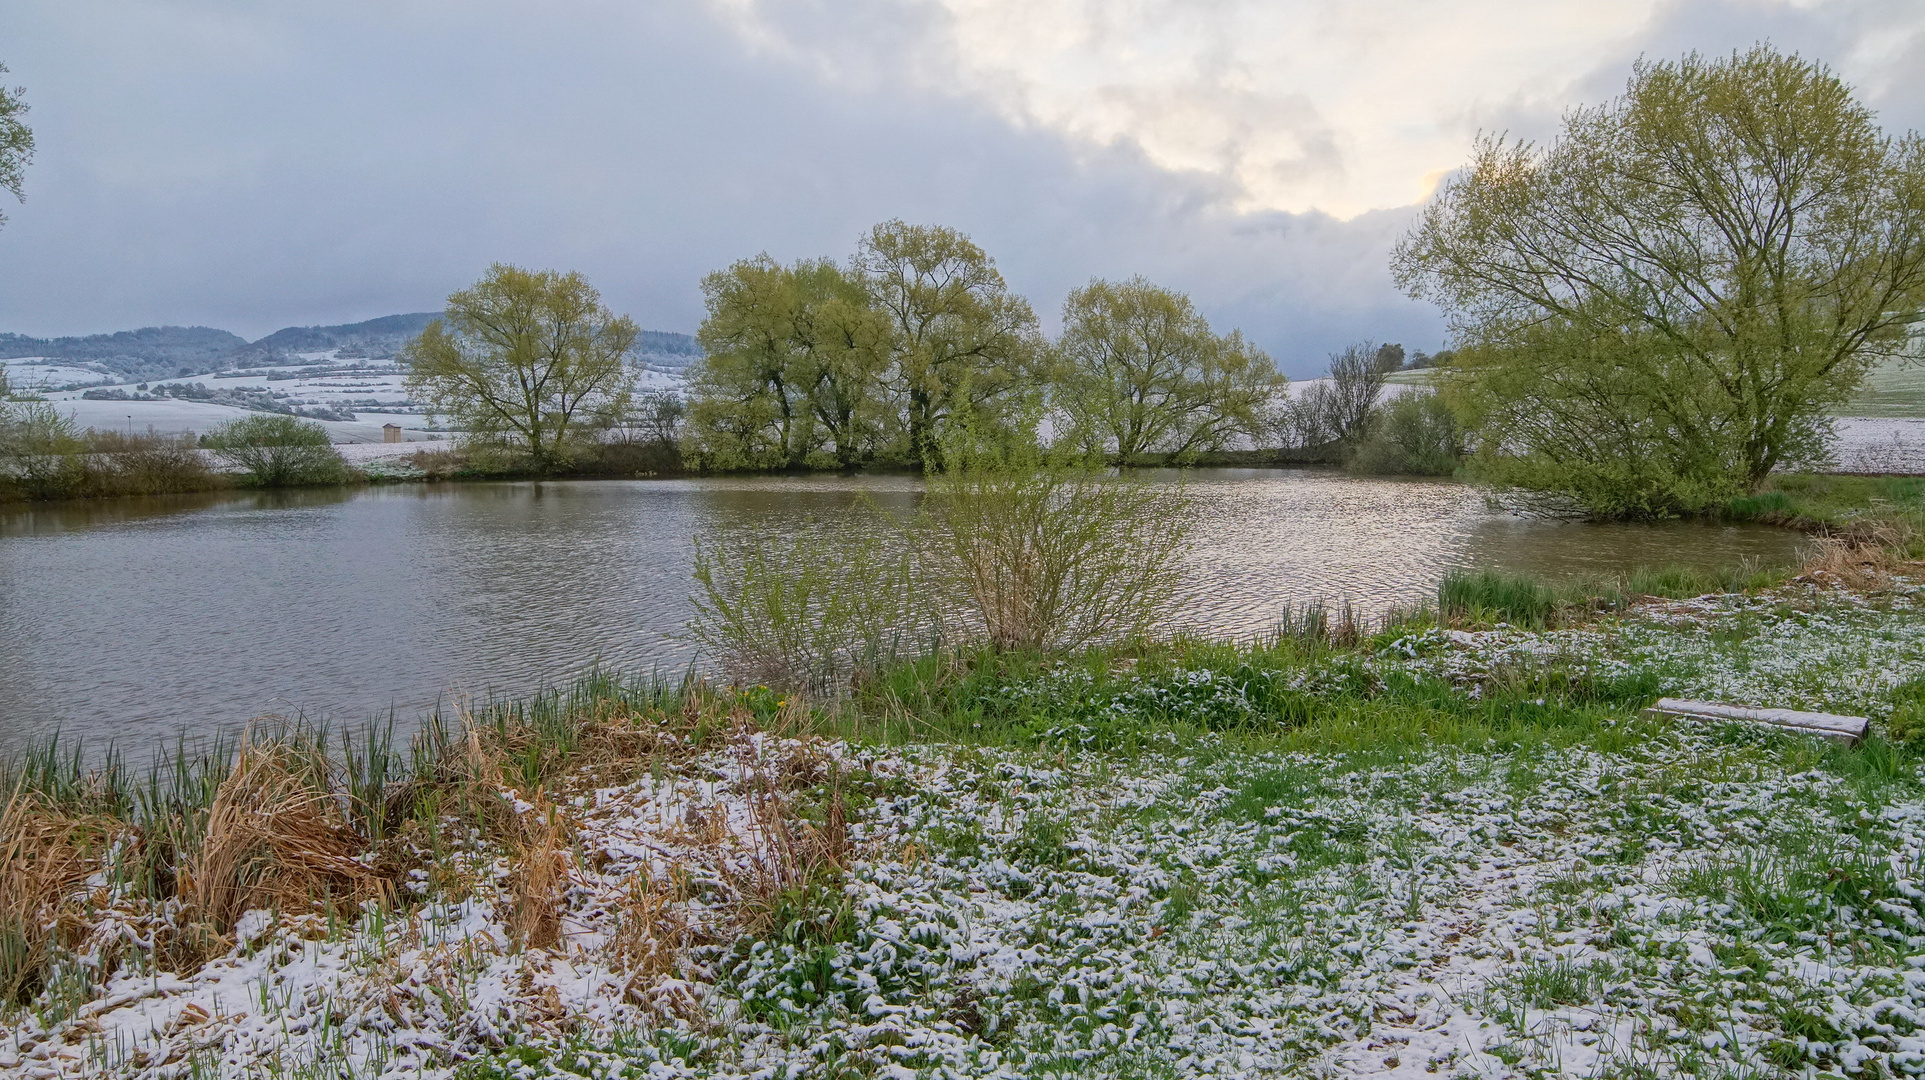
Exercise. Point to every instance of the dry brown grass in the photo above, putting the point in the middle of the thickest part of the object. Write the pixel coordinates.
(46, 854)
(540, 876)
(275, 838)
(787, 852)
(439, 464)
(282, 827)
(1863, 558)
(650, 943)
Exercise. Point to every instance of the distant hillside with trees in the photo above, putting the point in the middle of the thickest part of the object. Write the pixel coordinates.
(161, 352)
(380, 337)
(148, 353)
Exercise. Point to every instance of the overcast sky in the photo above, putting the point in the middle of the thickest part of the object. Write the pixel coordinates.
(254, 165)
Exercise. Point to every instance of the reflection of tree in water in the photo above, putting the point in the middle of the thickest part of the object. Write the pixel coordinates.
(87, 515)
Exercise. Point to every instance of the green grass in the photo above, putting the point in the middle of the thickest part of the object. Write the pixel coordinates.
(1822, 501)
(1487, 596)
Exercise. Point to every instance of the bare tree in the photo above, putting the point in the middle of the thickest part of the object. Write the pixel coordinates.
(1338, 408)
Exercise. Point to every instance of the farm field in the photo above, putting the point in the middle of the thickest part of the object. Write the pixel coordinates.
(1892, 392)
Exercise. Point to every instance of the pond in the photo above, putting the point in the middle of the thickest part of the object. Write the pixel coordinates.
(138, 618)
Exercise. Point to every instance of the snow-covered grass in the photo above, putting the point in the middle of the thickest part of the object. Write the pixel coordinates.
(1447, 851)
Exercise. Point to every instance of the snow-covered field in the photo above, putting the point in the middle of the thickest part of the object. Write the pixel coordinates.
(376, 397)
(1575, 895)
(1869, 445)
(41, 373)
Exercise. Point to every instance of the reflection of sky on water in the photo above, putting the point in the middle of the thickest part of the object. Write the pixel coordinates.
(131, 618)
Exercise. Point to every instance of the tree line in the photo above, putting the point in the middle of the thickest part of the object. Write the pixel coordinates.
(880, 361)
(841, 365)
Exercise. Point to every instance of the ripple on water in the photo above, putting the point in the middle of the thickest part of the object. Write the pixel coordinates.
(137, 618)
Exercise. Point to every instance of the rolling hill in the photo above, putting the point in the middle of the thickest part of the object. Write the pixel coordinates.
(160, 352)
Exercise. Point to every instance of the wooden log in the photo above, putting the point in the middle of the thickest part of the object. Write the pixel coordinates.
(1824, 725)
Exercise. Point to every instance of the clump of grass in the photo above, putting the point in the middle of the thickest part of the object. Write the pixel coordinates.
(1906, 725)
(1831, 502)
(1549, 984)
(649, 937)
(540, 876)
(1494, 597)
(1864, 557)
(1312, 624)
(792, 857)
(275, 837)
(47, 851)
(1489, 596)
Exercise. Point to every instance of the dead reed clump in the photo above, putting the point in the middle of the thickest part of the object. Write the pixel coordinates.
(792, 861)
(620, 741)
(439, 464)
(650, 942)
(47, 853)
(540, 876)
(1864, 558)
(275, 838)
(650, 933)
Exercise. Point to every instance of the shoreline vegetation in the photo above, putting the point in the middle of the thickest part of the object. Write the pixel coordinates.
(1447, 837)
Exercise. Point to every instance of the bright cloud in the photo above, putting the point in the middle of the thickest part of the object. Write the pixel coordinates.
(1339, 106)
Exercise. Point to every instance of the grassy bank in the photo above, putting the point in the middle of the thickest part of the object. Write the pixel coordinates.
(1837, 504)
(112, 465)
(1430, 848)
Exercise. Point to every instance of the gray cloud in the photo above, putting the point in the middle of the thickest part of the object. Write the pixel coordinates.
(254, 166)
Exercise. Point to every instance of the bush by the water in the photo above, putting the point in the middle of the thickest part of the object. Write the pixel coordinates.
(810, 609)
(1048, 556)
(43, 456)
(278, 451)
(1018, 555)
(1416, 434)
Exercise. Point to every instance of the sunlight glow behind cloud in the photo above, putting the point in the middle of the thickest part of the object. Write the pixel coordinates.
(1340, 107)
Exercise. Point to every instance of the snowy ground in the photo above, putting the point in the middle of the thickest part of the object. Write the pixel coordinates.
(1868, 445)
(1631, 900)
(38, 374)
(375, 397)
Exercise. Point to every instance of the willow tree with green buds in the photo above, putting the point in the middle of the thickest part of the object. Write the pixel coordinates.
(1656, 310)
(530, 358)
(1140, 371)
(16, 141)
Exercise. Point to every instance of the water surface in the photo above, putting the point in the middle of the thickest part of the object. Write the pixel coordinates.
(137, 618)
